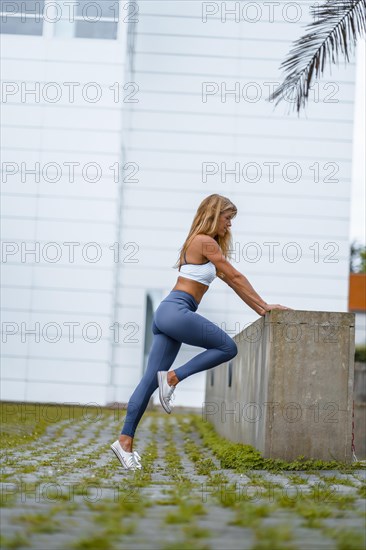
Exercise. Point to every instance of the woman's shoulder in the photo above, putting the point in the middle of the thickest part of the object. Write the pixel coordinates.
(205, 243)
(201, 237)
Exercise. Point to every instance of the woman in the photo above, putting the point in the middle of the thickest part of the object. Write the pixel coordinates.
(205, 252)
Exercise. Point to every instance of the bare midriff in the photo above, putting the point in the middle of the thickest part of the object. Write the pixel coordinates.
(192, 287)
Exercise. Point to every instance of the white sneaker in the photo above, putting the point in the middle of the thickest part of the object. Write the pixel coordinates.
(165, 391)
(137, 459)
(128, 460)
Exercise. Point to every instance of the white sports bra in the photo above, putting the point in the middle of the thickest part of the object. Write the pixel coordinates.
(202, 273)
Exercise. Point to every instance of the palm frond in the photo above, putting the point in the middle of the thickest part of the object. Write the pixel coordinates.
(334, 30)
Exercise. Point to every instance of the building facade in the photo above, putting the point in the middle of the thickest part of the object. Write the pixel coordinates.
(116, 124)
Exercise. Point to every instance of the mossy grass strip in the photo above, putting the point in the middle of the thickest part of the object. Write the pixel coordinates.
(241, 457)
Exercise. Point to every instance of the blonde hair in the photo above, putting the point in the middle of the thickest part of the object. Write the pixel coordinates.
(205, 222)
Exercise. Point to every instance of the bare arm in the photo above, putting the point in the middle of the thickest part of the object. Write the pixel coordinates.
(246, 292)
(232, 277)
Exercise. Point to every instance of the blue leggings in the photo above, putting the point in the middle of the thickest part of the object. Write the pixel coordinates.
(174, 322)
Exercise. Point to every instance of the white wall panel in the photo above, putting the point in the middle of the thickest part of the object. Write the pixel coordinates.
(93, 276)
(39, 130)
(173, 132)
(169, 133)
(49, 391)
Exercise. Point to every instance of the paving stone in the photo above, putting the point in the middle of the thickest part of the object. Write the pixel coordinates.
(312, 539)
(79, 465)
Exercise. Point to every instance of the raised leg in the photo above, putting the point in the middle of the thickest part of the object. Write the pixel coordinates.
(194, 329)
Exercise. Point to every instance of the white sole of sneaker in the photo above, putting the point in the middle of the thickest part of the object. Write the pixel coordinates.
(160, 381)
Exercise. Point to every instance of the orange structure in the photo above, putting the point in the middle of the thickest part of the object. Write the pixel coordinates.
(357, 292)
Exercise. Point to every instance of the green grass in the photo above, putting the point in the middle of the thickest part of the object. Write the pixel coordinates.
(7, 500)
(186, 512)
(315, 505)
(23, 423)
(114, 518)
(94, 542)
(250, 515)
(297, 480)
(38, 523)
(195, 532)
(171, 455)
(119, 516)
(313, 515)
(203, 465)
(241, 457)
(18, 540)
(347, 539)
(273, 538)
(216, 478)
(188, 544)
(334, 480)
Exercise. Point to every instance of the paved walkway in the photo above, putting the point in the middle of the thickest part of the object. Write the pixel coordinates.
(67, 490)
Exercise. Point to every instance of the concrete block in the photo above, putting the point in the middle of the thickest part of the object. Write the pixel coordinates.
(360, 410)
(289, 391)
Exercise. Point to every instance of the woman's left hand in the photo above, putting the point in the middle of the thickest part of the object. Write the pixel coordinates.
(269, 307)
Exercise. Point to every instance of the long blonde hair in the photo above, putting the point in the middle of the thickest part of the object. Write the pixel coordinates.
(206, 221)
